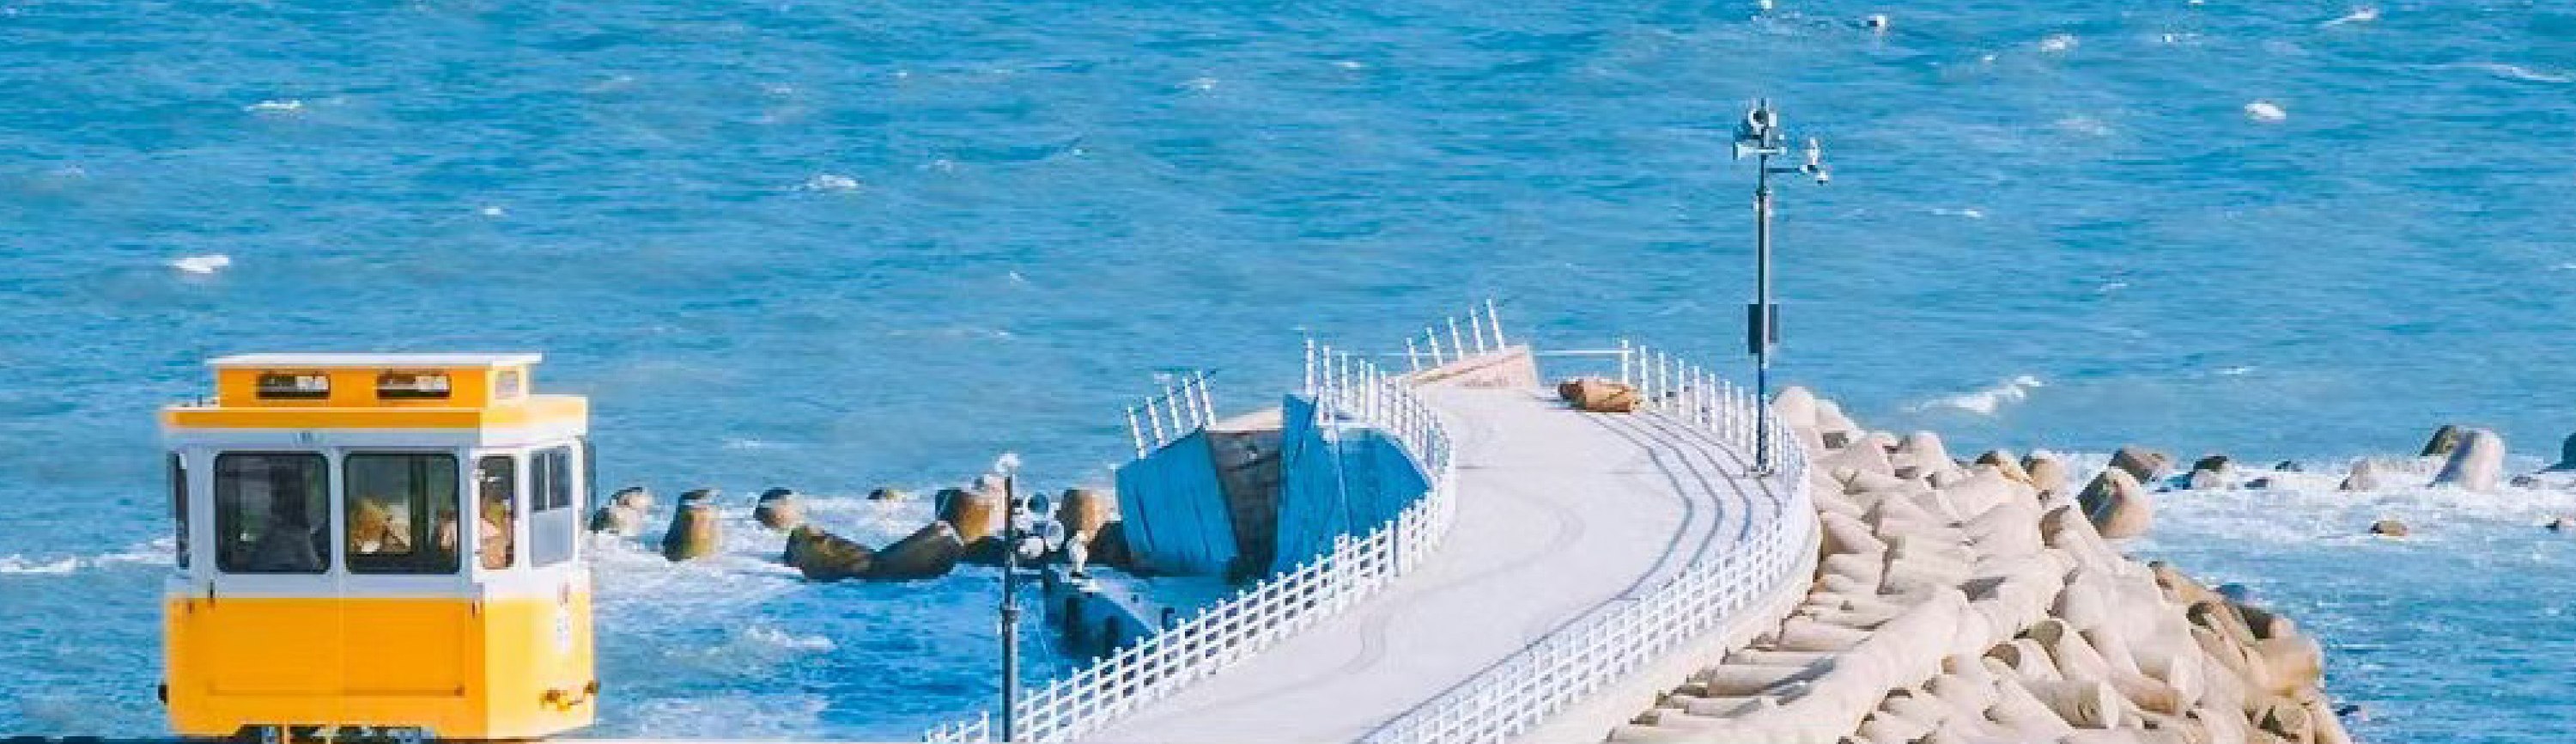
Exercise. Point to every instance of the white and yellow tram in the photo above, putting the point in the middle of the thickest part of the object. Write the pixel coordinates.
(379, 542)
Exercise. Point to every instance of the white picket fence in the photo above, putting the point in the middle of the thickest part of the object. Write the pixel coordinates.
(1349, 392)
(1615, 641)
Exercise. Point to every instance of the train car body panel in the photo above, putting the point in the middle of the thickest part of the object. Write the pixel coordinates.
(371, 541)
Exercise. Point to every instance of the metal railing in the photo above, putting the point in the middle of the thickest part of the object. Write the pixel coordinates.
(1181, 408)
(1483, 335)
(1348, 392)
(1617, 639)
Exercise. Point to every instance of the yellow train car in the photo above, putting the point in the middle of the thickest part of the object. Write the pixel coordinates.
(379, 545)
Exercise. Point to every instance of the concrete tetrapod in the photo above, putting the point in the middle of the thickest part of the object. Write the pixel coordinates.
(1965, 605)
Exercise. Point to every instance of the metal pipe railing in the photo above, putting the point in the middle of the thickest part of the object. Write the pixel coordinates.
(1604, 647)
(1348, 392)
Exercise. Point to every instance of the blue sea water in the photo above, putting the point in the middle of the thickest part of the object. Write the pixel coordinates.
(841, 245)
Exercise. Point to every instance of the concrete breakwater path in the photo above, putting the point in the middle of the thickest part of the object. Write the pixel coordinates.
(1560, 515)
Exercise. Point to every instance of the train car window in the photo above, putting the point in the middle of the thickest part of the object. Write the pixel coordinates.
(496, 479)
(411, 386)
(294, 385)
(398, 510)
(179, 504)
(272, 513)
(553, 525)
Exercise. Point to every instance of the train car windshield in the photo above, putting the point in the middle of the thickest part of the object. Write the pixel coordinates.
(397, 507)
(272, 513)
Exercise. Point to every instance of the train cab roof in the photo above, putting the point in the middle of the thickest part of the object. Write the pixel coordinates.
(412, 392)
(375, 361)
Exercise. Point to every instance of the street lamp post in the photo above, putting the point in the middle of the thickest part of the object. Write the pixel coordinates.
(1009, 465)
(1760, 137)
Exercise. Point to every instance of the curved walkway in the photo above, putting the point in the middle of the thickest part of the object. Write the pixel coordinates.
(1558, 513)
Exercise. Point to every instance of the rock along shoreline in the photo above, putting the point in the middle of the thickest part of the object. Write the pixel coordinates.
(1983, 601)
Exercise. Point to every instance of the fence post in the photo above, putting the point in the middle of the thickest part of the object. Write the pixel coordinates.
(1310, 365)
(1624, 353)
(1135, 433)
(1207, 401)
(1455, 341)
(1495, 320)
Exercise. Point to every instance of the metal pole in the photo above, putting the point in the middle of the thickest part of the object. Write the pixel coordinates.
(1010, 606)
(1310, 365)
(1496, 320)
(1136, 432)
(1762, 314)
(1207, 402)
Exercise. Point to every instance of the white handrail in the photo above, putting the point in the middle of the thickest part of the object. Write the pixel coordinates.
(1188, 406)
(1484, 334)
(1348, 392)
(1616, 639)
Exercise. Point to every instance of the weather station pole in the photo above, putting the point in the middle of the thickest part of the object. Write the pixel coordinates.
(1009, 465)
(1761, 138)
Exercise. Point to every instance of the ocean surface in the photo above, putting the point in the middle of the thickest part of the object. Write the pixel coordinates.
(838, 245)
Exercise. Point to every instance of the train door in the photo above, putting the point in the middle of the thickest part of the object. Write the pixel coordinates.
(268, 607)
(407, 609)
(553, 587)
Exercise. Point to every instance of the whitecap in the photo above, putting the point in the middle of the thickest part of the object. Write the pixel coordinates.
(1200, 83)
(15, 564)
(2085, 125)
(2236, 371)
(2110, 287)
(831, 183)
(2057, 43)
(2363, 14)
(1985, 402)
(206, 264)
(279, 106)
(144, 553)
(2517, 72)
(1968, 212)
(493, 210)
(1350, 64)
(2265, 111)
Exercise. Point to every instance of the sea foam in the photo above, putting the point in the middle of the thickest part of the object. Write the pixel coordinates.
(206, 264)
(1986, 401)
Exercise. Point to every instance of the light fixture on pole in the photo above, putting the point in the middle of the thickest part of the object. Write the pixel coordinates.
(1009, 467)
(1761, 138)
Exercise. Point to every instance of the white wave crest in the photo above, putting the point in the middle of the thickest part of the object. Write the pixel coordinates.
(2057, 43)
(2517, 72)
(145, 553)
(2363, 14)
(2266, 111)
(830, 182)
(206, 264)
(17, 564)
(1985, 402)
(279, 106)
